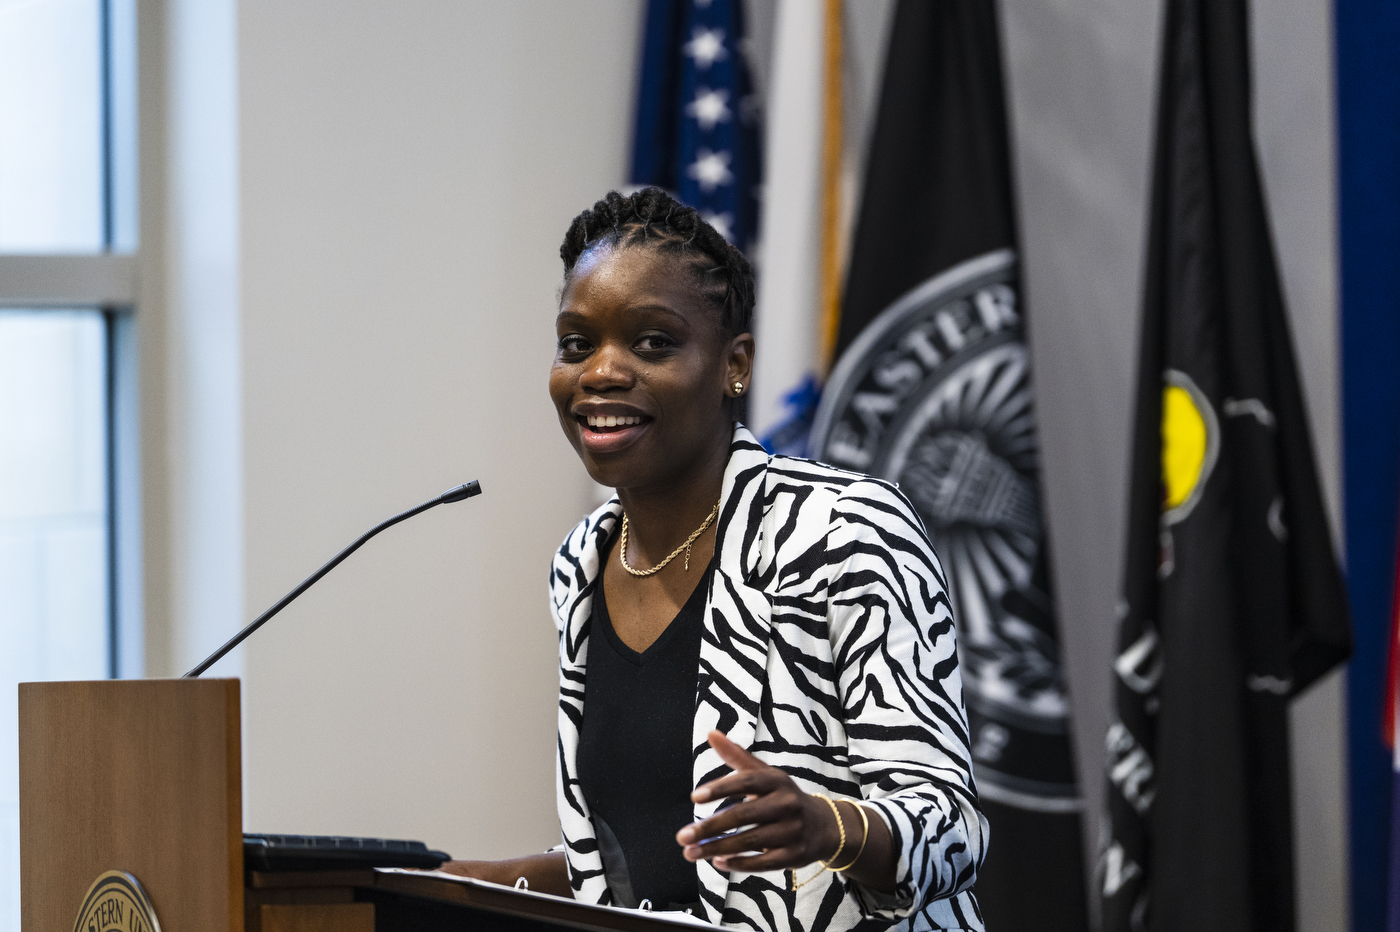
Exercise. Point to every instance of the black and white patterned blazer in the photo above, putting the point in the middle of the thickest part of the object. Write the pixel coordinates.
(828, 651)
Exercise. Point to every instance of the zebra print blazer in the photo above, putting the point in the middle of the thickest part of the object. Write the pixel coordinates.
(828, 651)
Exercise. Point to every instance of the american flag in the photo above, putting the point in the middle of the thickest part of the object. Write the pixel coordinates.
(697, 116)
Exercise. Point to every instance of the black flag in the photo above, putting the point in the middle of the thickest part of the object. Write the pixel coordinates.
(932, 390)
(1232, 599)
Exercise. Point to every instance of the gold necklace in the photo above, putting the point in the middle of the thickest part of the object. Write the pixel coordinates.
(622, 546)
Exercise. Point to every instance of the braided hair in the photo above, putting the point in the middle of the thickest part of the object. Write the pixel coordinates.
(652, 218)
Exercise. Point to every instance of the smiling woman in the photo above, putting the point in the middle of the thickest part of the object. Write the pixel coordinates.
(654, 329)
(769, 731)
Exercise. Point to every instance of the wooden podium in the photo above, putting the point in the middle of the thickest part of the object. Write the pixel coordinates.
(136, 775)
(144, 776)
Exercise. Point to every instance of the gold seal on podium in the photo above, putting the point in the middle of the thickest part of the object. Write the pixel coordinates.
(116, 903)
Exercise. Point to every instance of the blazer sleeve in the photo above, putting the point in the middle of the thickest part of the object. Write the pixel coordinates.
(894, 646)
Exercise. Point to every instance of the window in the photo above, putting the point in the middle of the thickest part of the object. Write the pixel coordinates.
(67, 242)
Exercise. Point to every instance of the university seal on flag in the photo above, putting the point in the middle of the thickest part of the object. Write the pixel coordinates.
(935, 395)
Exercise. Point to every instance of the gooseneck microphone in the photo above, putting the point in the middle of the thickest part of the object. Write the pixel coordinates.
(451, 495)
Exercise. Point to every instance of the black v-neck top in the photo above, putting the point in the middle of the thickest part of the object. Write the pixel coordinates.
(634, 751)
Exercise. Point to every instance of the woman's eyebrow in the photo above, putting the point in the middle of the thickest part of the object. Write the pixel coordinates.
(668, 311)
(567, 315)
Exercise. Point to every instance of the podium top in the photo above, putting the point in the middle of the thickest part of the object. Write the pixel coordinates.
(526, 904)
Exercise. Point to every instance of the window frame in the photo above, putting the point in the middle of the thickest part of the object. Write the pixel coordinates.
(110, 282)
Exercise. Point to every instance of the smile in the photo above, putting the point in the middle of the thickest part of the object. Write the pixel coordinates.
(610, 433)
(603, 422)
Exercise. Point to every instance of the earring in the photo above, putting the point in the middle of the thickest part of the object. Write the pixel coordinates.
(738, 388)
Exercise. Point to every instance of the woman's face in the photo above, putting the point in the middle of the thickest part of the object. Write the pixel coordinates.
(642, 373)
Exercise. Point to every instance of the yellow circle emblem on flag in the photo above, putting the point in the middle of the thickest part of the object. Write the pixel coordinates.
(1183, 445)
(1190, 443)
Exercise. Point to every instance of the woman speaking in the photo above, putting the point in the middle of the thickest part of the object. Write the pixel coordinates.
(760, 712)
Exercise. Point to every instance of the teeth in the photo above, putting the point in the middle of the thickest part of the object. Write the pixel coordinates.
(612, 420)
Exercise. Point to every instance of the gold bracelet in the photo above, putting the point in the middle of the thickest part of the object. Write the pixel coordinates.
(840, 826)
(865, 829)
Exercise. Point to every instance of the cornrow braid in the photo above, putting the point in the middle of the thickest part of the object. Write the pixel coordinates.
(653, 218)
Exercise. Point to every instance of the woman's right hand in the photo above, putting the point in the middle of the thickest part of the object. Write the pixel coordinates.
(545, 873)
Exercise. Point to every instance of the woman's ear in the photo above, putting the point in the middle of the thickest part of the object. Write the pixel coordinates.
(739, 364)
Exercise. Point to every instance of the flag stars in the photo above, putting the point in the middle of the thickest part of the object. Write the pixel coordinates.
(706, 46)
(711, 169)
(709, 108)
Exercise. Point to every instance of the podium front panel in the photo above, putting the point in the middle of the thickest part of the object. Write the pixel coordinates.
(141, 776)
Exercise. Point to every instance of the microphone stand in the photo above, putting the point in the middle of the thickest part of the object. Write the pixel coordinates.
(451, 495)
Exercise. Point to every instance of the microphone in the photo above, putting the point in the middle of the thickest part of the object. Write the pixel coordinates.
(456, 494)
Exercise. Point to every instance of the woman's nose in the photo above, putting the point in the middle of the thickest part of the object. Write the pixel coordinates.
(607, 368)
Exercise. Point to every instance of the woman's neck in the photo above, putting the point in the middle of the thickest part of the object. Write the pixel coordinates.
(661, 517)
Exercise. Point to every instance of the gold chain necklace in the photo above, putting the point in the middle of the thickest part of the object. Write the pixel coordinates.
(622, 546)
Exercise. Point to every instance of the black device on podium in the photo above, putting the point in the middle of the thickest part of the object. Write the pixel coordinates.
(335, 853)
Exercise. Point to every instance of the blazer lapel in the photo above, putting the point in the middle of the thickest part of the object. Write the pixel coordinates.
(734, 645)
(575, 577)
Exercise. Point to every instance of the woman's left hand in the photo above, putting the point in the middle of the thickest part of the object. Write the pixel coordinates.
(789, 828)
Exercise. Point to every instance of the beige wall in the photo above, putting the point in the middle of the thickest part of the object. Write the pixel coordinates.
(405, 175)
